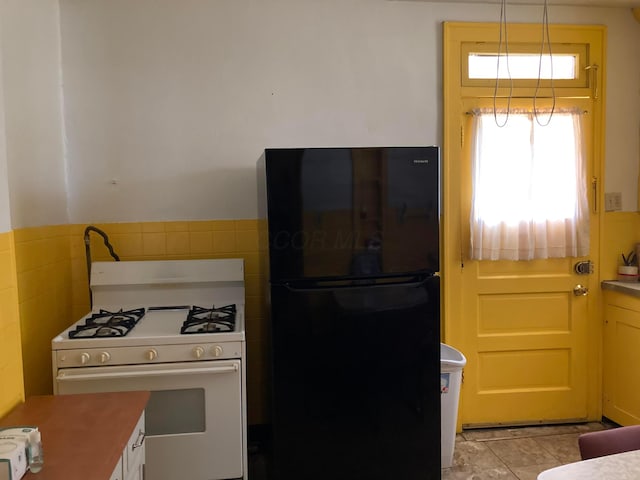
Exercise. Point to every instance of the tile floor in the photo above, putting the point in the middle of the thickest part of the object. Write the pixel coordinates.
(515, 453)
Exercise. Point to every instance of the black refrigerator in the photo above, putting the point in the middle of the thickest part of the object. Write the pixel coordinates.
(353, 249)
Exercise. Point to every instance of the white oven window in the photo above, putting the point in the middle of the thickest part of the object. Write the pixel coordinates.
(176, 411)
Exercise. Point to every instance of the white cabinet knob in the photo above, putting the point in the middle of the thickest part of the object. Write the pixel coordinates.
(151, 354)
(85, 358)
(105, 357)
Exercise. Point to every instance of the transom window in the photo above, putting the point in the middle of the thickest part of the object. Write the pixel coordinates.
(565, 64)
(522, 66)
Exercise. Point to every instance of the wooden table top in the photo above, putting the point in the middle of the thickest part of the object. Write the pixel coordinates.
(621, 466)
(83, 435)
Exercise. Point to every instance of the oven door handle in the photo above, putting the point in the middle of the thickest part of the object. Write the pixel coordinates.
(151, 373)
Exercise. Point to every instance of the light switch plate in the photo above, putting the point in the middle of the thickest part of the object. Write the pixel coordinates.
(613, 201)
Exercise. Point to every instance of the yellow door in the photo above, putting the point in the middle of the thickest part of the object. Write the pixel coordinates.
(527, 328)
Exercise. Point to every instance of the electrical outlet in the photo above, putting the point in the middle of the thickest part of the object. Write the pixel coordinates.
(613, 201)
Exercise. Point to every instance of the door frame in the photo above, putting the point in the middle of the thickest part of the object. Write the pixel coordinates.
(453, 256)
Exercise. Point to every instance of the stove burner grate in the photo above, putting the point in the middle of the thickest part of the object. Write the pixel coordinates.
(210, 320)
(108, 324)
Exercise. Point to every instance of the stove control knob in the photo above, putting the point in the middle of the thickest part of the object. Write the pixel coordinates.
(198, 352)
(151, 354)
(105, 357)
(216, 351)
(84, 358)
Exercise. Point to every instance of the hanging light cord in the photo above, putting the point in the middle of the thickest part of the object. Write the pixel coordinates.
(545, 37)
(503, 26)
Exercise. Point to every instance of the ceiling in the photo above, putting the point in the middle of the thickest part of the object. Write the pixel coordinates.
(591, 3)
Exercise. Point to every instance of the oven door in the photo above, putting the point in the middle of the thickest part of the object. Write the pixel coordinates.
(193, 420)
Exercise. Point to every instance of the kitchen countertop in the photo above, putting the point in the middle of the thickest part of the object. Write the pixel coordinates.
(630, 288)
(83, 435)
(621, 466)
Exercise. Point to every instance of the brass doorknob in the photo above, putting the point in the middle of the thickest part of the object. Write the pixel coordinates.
(580, 291)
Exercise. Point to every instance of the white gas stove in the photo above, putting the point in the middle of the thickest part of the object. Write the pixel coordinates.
(175, 328)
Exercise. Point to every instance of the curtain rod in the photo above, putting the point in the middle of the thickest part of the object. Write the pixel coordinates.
(471, 112)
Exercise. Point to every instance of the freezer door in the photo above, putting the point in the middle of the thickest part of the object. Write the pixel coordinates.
(352, 212)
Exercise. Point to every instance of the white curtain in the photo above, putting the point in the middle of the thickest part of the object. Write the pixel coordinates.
(529, 186)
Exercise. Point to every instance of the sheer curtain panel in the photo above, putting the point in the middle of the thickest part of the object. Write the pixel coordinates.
(529, 186)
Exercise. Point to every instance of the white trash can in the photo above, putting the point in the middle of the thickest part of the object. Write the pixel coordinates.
(451, 363)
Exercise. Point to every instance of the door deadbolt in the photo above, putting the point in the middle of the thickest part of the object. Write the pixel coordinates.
(583, 268)
(580, 291)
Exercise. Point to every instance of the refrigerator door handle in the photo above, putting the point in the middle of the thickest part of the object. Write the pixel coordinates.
(351, 286)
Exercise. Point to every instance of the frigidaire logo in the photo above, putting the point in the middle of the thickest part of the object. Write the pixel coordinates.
(420, 160)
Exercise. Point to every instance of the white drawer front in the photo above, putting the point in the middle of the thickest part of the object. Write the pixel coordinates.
(117, 473)
(135, 452)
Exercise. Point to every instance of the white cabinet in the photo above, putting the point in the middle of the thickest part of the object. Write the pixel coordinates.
(117, 472)
(131, 464)
(134, 455)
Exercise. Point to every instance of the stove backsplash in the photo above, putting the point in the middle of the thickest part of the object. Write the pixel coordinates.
(51, 281)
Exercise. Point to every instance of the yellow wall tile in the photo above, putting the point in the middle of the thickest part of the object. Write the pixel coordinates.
(6, 241)
(251, 224)
(218, 225)
(620, 233)
(126, 245)
(247, 241)
(256, 329)
(201, 242)
(12, 391)
(44, 285)
(120, 228)
(60, 251)
(203, 226)
(9, 306)
(154, 243)
(176, 226)
(178, 243)
(76, 243)
(76, 230)
(251, 263)
(224, 241)
(49, 231)
(149, 227)
(253, 307)
(254, 285)
(27, 235)
(7, 274)
(27, 255)
(263, 239)
(30, 285)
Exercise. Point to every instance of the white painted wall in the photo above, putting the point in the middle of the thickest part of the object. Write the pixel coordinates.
(5, 212)
(623, 110)
(30, 42)
(169, 104)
